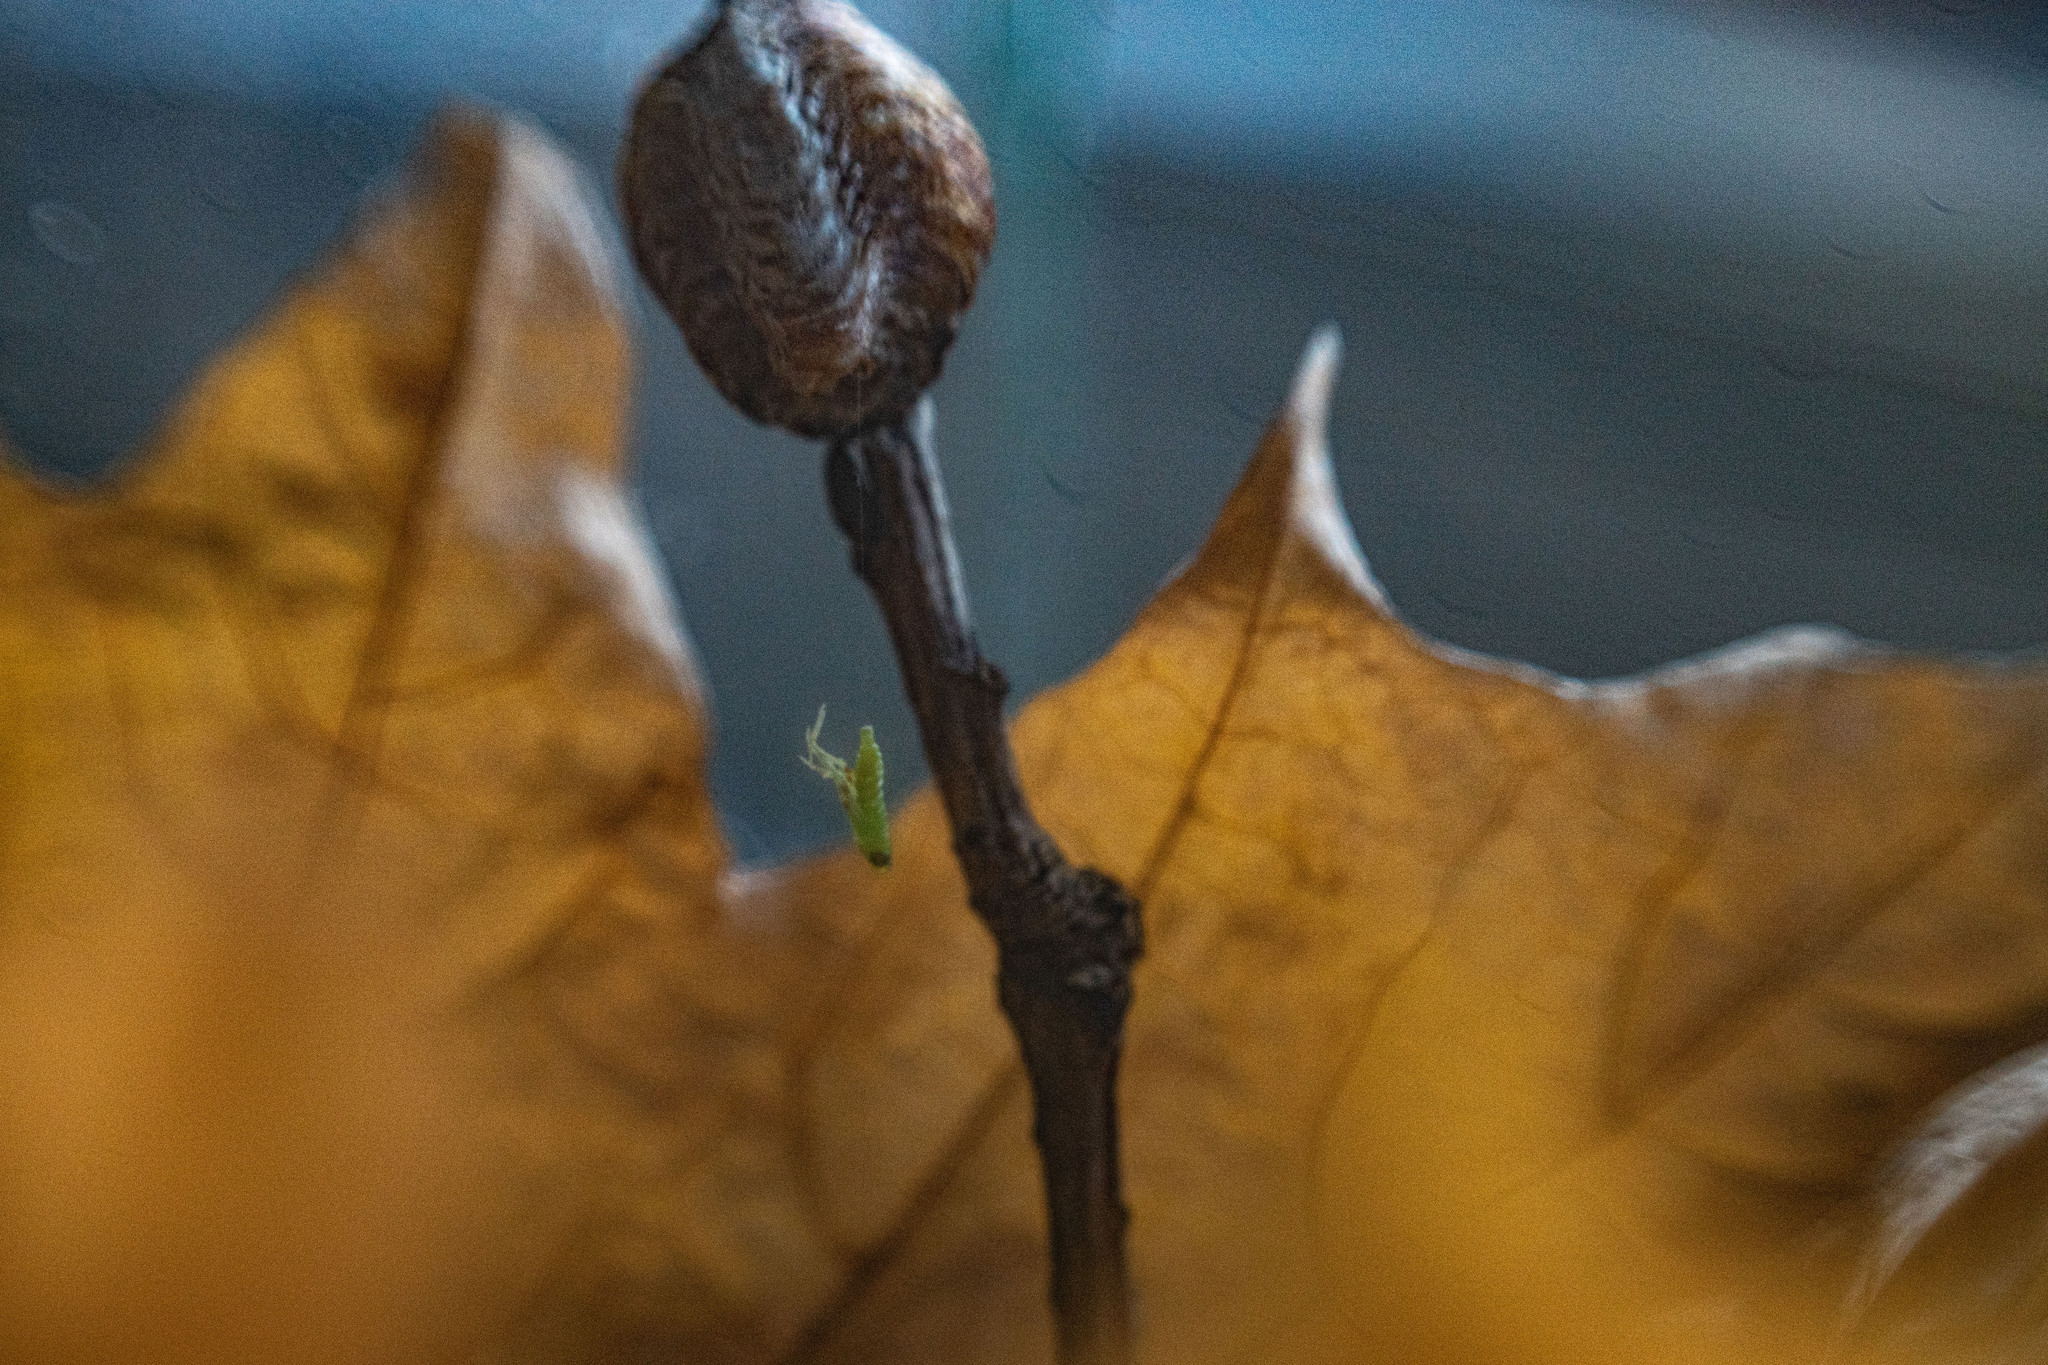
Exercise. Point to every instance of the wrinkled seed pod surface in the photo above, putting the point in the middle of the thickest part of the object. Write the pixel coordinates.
(813, 207)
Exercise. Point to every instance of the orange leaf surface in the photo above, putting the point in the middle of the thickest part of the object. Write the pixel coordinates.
(373, 985)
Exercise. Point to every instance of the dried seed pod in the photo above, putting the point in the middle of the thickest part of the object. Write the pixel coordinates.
(812, 206)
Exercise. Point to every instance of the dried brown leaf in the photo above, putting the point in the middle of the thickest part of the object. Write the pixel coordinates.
(372, 985)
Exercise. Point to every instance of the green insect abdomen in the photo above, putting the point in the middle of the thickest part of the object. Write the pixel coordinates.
(865, 810)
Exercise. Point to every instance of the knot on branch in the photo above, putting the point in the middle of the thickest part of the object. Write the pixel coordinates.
(1070, 935)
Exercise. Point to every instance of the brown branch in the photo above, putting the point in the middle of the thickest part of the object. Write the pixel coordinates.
(814, 209)
(1066, 937)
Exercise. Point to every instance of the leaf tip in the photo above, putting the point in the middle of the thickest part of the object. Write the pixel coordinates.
(1315, 379)
(1288, 493)
(1301, 430)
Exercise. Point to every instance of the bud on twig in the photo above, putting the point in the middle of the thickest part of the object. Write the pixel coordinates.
(813, 208)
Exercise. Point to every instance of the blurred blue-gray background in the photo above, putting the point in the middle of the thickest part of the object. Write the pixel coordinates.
(1666, 322)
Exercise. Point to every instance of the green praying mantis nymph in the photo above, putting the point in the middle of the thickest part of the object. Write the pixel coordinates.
(860, 788)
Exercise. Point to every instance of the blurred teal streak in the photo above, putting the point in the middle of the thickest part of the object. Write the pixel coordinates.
(552, 53)
(1869, 188)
